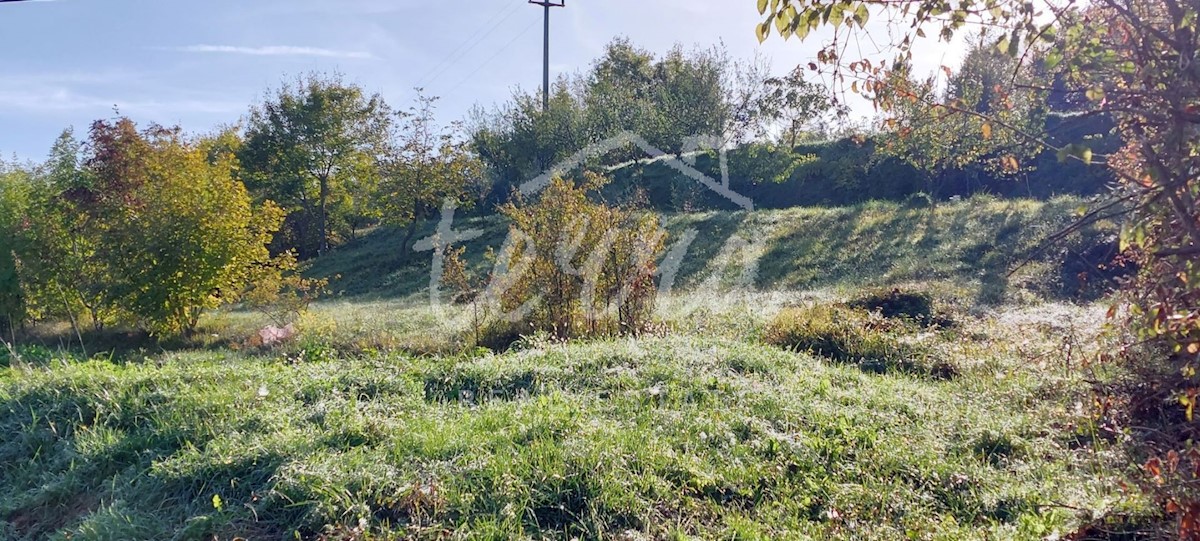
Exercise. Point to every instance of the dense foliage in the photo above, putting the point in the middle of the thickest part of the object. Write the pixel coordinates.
(314, 147)
(148, 227)
(573, 266)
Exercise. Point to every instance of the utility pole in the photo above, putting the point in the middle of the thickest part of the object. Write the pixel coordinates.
(546, 5)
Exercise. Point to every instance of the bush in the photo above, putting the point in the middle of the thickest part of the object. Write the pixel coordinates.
(853, 335)
(580, 267)
(893, 303)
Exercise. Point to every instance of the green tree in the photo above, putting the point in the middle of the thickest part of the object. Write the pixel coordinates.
(426, 166)
(976, 125)
(63, 267)
(312, 146)
(194, 241)
(16, 186)
(793, 104)
(147, 226)
(519, 140)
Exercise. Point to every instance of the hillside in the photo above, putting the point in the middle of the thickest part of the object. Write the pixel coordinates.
(376, 424)
(970, 243)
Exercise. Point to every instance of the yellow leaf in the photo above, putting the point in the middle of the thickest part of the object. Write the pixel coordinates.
(987, 130)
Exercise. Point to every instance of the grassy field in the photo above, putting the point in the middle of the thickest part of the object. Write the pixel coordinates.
(378, 422)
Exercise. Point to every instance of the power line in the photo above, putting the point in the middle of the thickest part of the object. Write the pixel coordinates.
(493, 57)
(470, 44)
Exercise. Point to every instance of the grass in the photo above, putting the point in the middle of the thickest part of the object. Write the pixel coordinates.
(969, 244)
(675, 437)
(379, 422)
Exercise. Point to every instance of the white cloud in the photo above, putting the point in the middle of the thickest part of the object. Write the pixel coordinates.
(60, 100)
(272, 50)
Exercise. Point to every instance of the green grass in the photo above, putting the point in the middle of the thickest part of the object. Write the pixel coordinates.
(675, 437)
(380, 422)
(968, 244)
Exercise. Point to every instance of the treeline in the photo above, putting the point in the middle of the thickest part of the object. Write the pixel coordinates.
(151, 226)
(852, 170)
(148, 227)
(788, 142)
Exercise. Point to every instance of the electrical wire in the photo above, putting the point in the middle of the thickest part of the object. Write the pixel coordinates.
(470, 44)
(491, 58)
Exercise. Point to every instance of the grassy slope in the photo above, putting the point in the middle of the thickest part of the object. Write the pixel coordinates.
(705, 433)
(970, 243)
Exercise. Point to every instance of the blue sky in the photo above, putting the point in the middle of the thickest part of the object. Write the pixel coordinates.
(201, 64)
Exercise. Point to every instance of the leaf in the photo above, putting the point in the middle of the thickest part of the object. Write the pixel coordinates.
(837, 14)
(920, 33)
(782, 26)
(1153, 467)
(1010, 163)
(987, 130)
(216, 502)
(1082, 152)
(762, 7)
(862, 15)
(763, 31)
(1095, 93)
(1053, 58)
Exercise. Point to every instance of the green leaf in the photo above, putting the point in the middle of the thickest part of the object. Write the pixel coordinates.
(1095, 93)
(216, 501)
(802, 30)
(862, 15)
(1053, 58)
(1075, 150)
(837, 14)
(782, 26)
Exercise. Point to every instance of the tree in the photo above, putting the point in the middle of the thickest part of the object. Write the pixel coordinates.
(582, 267)
(64, 270)
(519, 140)
(793, 103)
(149, 227)
(425, 167)
(193, 241)
(311, 146)
(954, 133)
(16, 185)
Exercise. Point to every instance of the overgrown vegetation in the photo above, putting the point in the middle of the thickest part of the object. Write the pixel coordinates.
(688, 436)
(1130, 59)
(143, 227)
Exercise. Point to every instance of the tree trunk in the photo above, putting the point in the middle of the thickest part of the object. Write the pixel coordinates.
(322, 218)
(408, 235)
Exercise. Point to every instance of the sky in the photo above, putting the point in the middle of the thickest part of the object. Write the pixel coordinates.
(202, 64)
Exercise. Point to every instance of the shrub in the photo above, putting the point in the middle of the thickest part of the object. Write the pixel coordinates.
(581, 267)
(894, 303)
(852, 335)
